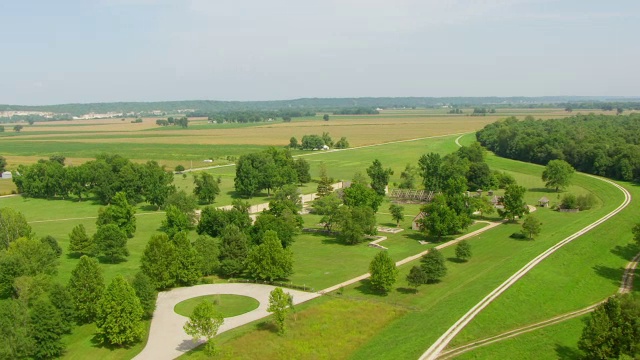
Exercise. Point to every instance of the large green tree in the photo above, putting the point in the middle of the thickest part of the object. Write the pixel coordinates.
(431, 172)
(175, 221)
(280, 304)
(416, 277)
(383, 272)
(379, 177)
(234, 248)
(557, 174)
(433, 266)
(111, 242)
(14, 226)
(328, 207)
(205, 187)
(612, 331)
(80, 242)
(16, 341)
(46, 328)
(159, 261)
(204, 322)
(440, 219)
(397, 213)
(514, 204)
(463, 250)
(325, 183)
(86, 287)
(120, 213)
(359, 194)
(25, 257)
(119, 316)
(353, 223)
(188, 268)
(208, 252)
(531, 226)
(269, 260)
(61, 298)
(146, 292)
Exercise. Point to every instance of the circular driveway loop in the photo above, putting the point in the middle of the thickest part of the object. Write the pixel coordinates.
(167, 339)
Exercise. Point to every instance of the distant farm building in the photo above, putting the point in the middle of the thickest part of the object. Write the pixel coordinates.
(415, 223)
(7, 175)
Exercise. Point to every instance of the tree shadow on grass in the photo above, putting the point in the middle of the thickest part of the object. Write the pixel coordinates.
(366, 289)
(97, 343)
(545, 190)
(456, 260)
(567, 352)
(149, 207)
(615, 275)
(626, 252)
(266, 326)
(405, 290)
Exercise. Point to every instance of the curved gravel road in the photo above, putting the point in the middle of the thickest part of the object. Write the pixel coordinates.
(167, 339)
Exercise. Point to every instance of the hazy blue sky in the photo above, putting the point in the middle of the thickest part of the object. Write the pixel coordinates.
(151, 50)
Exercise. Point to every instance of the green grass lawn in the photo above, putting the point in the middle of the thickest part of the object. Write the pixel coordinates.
(81, 345)
(227, 305)
(324, 328)
(552, 342)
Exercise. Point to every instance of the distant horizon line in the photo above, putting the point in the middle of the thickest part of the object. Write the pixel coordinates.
(580, 97)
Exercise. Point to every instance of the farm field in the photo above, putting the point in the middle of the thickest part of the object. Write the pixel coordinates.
(590, 267)
(80, 140)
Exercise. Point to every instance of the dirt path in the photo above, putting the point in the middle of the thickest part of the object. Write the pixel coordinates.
(167, 339)
(434, 351)
(626, 285)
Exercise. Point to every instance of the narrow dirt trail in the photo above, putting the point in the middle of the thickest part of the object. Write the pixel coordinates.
(626, 285)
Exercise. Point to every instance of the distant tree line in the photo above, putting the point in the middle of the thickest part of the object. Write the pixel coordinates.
(251, 116)
(357, 111)
(182, 121)
(604, 145)
(205, 107)
(103, 177)
(34, 118)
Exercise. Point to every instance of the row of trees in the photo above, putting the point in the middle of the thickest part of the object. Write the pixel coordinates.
(432, 268)
(268, 170)
(315, 142)
(36, 311)
(253, 116)
(103, 177)
(182, 122)
(603, 145)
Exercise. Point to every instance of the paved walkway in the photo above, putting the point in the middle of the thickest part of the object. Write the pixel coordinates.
(167, 339)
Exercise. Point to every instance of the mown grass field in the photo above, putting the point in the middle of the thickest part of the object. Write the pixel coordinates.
(325, 328)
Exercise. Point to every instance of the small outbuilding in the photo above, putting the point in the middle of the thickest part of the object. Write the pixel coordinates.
(543, 202)
(7, 175)
(415, 223)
